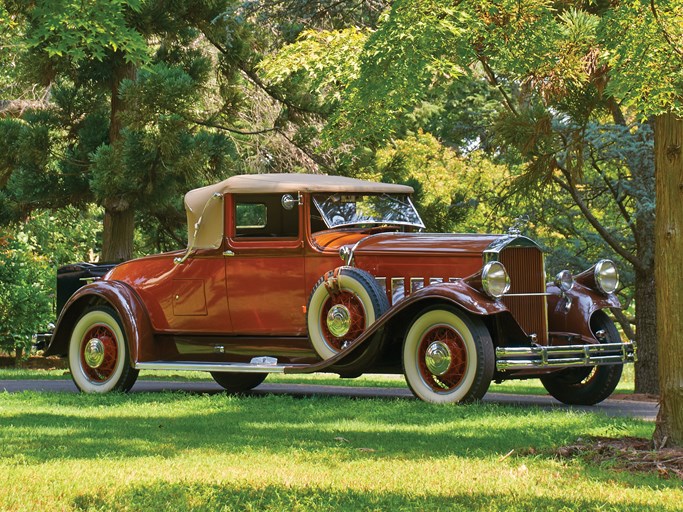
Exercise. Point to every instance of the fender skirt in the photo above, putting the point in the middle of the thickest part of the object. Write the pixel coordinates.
(118, 295)
(458, 293)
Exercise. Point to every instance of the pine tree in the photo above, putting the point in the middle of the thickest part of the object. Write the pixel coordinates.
(125, 81)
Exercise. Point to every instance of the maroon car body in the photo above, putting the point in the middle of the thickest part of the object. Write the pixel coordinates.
(296, 273)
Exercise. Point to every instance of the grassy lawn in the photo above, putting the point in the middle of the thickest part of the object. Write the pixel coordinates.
(532, 386)
(175, 451)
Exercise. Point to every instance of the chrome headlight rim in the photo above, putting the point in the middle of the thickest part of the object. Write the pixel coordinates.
(491, 274)
(564, 280)
(606, 276)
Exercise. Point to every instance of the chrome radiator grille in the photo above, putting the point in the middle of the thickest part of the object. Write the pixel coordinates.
(527, 275)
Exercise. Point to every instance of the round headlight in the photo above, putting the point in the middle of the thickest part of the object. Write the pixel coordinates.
(494, 279)
(606, 276)
(564, 280)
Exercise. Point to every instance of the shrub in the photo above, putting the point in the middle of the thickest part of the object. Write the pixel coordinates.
(25, 297)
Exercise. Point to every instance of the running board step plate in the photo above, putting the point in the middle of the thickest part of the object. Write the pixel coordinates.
(258, 365)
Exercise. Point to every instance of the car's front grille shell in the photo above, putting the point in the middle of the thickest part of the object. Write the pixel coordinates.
(527, 275)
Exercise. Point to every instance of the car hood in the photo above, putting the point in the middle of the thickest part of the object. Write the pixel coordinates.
(424, 244)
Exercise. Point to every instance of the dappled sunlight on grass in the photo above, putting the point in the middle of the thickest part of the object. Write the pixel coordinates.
(175, 451)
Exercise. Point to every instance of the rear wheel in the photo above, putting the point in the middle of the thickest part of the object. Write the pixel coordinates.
(587, 385)
(448, 356)
(238, 382)
(98, 353)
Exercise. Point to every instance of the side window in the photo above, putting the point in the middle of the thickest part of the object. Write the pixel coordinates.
(263, 216)
(250, 216)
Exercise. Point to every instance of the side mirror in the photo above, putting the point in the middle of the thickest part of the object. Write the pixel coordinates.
(288, 201)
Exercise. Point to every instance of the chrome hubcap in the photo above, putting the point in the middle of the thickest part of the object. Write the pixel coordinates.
(438, 357)
(338, 320)
(93, 353)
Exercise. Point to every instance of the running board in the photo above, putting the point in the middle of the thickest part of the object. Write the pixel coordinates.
(257, 365)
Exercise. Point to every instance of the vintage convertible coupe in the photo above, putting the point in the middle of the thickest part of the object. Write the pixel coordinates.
(297, 273)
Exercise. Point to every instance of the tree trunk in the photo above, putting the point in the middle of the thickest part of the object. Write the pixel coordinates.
(669, 277)
(119, 214)
(119, 227)
(646, 333)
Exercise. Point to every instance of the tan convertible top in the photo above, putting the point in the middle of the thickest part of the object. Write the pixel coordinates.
(199, 204)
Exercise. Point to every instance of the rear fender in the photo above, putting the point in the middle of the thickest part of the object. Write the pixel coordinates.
(123, 299)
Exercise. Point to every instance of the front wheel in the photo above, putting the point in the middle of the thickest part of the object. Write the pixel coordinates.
(587, 385)
(448, 356)
(98, 353)
(238, 382)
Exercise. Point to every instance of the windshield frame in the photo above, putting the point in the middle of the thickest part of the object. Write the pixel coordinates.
(399, 198)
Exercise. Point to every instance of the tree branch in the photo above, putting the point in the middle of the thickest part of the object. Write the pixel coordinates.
(491, 76)
(606, 235)
(308, 154)
(615, 195)
(230, 129)
(666, 35)
(254, 78)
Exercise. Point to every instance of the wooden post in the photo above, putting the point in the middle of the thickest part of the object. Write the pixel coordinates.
(669, 277)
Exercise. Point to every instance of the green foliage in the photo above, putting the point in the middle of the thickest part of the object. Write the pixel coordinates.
(452, 194)
(645, 55)
(319, 63)
(86, 29)
(399, 61)
(25, 302)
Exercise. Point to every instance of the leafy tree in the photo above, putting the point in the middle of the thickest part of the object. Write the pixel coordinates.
(126, 83)
(25, 301)
(647, 59)
(536, 75)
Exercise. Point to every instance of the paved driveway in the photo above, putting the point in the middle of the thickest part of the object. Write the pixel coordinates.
(623, 408)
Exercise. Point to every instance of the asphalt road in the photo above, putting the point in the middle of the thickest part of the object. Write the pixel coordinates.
(616, 408)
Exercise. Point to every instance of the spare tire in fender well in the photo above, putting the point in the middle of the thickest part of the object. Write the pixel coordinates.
(119, 296)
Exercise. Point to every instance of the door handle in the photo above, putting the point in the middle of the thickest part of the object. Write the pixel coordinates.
(228, 253)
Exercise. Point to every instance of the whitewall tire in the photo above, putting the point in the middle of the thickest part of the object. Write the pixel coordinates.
(341, 308)
(448, 356)
(98, 353)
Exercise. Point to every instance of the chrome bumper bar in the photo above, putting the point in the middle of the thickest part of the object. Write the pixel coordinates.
(524, 358)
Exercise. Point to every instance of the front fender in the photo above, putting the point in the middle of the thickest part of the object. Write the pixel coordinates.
(457, 293)
(572, 312)
(123, 299)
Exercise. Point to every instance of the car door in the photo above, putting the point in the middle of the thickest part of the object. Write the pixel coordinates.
(264, 263)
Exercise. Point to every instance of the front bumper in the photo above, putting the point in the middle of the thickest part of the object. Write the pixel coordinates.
(534, 357)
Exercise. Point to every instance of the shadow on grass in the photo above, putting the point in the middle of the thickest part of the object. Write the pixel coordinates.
(64, 426)
(205, 497)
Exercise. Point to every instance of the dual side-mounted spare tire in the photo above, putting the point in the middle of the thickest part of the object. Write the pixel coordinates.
(344, 303)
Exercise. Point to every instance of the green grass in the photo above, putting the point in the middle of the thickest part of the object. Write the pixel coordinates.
(176, 451)
(527, 387)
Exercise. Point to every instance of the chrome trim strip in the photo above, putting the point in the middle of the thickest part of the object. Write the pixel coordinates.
(398, 289)
(382, 282)
(216, 367)
(544, 294)
(504, 241)
(565, 356)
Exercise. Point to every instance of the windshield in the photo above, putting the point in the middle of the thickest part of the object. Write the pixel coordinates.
(353, 209)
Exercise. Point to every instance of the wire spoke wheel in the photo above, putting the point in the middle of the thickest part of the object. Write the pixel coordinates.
(99, 360)
(344, 314)
(99, 353)
(592, 384)
(443, 358)
(448, 356)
